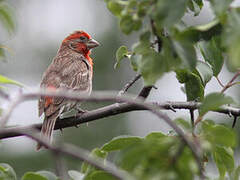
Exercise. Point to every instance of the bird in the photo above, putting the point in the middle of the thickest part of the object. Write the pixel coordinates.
(71, 69)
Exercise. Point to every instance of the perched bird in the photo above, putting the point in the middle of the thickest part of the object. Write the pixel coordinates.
(71, 69)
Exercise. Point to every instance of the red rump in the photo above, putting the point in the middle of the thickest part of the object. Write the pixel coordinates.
(49, 100)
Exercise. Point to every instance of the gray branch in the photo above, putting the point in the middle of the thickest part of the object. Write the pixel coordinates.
(78, 153)
(124, 101)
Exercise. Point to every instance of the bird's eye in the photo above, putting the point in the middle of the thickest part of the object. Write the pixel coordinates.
(82, 38)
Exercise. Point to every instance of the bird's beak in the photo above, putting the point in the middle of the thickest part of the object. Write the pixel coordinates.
(92, 43)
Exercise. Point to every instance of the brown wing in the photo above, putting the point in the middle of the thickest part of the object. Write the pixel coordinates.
(74, 74)
(51, 79)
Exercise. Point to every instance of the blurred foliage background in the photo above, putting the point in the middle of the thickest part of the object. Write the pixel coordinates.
(40, 28)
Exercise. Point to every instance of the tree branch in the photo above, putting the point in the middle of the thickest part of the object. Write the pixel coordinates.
(78, 153)
(4, 95)
(111, 110)
(220, 83)
(145, 92)
(60, 167)
(96, 97)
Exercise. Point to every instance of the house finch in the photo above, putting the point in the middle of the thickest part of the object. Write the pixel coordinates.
(71, 69)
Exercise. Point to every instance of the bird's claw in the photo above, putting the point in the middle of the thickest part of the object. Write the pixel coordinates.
(61, 130)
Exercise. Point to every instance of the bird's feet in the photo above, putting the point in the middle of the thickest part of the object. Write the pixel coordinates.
(68, 114)
(75, 112)
(79, 111)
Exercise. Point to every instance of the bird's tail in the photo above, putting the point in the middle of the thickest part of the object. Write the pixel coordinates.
(47, 128)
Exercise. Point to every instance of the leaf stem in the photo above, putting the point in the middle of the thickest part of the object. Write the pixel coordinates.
(231, 83)
(129, 84)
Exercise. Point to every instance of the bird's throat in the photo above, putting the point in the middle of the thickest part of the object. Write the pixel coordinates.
(89, 58)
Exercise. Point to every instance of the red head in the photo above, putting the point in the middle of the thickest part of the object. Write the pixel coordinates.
(81, 42)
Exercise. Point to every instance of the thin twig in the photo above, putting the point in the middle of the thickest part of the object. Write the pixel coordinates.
(234, 121)
(60, 166)
(192, 116)
(145, 92)
(154, 30)
(4, 95)
(81, 154)
(96, 97)
(6, 115)
(198, 120)
(171, 107)
(129, 84)
(230, 83)
(221, 84)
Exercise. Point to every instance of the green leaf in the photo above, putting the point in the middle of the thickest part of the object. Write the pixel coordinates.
(33, 176)
(224, 160)
(127, 24)
(132, 157)
(186, 165)
(214, 101)
(145, 36)
(171, 61)
(6, 17)
(194, 88)
(135, 61)
(115, 7)
(85, 167)
(7, 172)
(151, 67)
(75, 175)
(155, 136)
(120, 142)
(137, 24)
(200, 32)
(182, 75)
(5, 80)
(219, 134)
(212, 54)
(193, 85)
(98, 153)
(206, 27)
(186, 52)
(149, 158)
(144, 45)
(47, 174)
(195, 6)
(231, 39)
(167, 13)
(143, 6)
(121, 53)
(141, 48)
(183, 123)
(99, 175)
(205, 71)
(236, 174)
